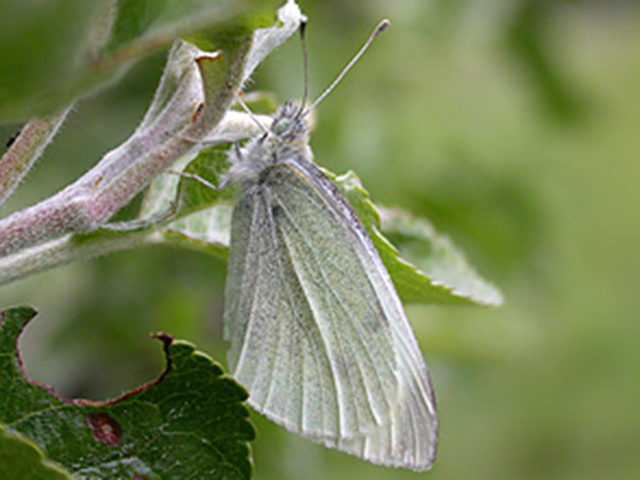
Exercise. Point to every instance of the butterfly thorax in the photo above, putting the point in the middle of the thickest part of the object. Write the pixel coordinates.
(286, 140)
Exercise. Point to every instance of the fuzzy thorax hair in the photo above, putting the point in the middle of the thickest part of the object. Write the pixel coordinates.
(286, 139)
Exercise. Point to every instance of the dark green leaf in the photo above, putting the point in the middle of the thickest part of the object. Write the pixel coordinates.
(55, 51)
(42, 53)
(190, 423)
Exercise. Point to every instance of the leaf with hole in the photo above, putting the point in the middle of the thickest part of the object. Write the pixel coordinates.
(189, 423)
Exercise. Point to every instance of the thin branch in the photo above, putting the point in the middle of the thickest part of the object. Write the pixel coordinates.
(71, 248)
(125, 171)
(26, 149)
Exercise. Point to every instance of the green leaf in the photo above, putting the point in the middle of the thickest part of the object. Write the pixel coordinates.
(190, 423)
(202, 215)
(210, 165)
(55, 51)
(21, 459)
(424, 266)
(436, 258)
(140, 22)
(41, 53)
(207, 230)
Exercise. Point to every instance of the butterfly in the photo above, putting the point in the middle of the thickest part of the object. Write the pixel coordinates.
(318, 334)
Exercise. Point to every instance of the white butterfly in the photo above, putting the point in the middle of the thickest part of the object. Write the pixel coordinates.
(318, 334)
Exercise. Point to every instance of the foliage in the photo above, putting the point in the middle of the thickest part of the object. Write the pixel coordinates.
(188, 126)
(54, 52)
(192, 412)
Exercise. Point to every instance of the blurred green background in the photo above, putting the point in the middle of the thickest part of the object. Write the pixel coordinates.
(515, 128)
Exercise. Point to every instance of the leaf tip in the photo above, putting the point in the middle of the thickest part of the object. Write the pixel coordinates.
(165, 338)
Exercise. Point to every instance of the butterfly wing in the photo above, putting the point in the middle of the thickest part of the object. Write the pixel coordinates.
(318, 334)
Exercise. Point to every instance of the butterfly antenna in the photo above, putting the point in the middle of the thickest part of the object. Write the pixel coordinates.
(246, 108)
(305, 59)
(382, 26)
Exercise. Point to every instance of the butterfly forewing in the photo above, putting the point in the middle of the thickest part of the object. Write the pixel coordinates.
(343, 304)
(318, 335)
(275, 353)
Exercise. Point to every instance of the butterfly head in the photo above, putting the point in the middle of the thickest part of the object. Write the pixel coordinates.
(289, 123)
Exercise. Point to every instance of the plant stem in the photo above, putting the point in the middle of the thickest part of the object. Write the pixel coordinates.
(26, 149)
(70, 248)
(169, 133)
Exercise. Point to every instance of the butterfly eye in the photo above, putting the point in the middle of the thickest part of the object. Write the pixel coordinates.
(281, 126)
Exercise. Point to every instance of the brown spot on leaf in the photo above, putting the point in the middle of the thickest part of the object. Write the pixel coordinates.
(105, 429)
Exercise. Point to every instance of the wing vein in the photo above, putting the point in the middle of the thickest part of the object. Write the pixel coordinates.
(348, 313)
